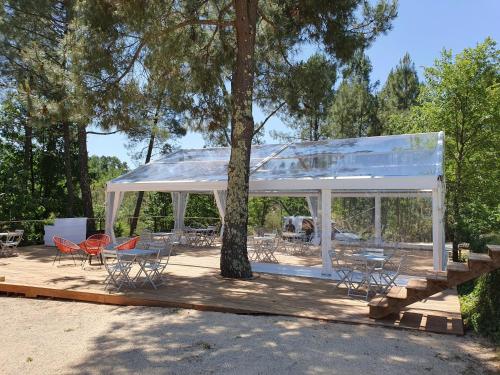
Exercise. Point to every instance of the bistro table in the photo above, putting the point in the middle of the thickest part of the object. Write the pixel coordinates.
(138, 256)
(367, 262)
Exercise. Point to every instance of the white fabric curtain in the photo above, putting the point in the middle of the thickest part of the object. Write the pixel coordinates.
(113, 202)
(220, 200)
(313, 204)
(179, 204)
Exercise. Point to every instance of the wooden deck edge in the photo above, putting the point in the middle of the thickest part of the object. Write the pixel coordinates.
(31, 291)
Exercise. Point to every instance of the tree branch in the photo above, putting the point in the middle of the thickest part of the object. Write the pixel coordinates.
(218, 23)
(102, 133)
(268, 117)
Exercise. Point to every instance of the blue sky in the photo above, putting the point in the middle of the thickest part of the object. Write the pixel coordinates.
(423, 28)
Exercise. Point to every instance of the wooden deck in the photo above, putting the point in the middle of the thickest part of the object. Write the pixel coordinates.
(193, 282)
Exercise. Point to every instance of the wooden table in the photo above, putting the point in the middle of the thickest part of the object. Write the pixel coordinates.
(292, 236)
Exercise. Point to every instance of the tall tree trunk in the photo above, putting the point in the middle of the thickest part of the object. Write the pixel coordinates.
(68, 169)
(28, 141)
(234, 261)
(315, 129)
(457, 202)
(28, 157)
(83, 160)
(140, 195)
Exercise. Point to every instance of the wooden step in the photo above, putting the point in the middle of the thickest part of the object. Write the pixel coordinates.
(418, 288)
(379, 301)
(417, 284)
(494, 252)
(457, 267)
(458, 273)
(479, 257)
(397, 292)
(480, 263)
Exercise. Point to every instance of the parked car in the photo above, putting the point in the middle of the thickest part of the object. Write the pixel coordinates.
(341, 235)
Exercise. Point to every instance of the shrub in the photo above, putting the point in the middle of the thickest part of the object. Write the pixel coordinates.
(481, 306)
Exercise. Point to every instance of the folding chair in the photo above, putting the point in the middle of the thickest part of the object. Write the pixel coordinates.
(340, 264)
(118, 267)
(267, 249)
(253, 249)
(153, 267)
(390, 272)
(355, 287)
(13, 239)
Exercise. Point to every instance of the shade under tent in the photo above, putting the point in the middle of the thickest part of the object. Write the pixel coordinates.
(406, 165)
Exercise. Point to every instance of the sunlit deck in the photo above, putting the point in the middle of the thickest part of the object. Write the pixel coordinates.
(193, 282)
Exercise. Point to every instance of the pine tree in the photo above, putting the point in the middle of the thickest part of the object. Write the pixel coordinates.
(399, 93)
(217, 45)
(354, 109)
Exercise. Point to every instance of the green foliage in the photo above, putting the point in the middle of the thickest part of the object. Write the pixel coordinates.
(461, 96)
(101, 170)
(354, 109)
(33, 190)
(481, 306)
(305, 90)
(399, 93)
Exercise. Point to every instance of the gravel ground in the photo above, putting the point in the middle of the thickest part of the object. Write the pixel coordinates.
(56, 337)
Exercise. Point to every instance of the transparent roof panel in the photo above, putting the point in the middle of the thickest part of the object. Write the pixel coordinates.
(206, 164)
(397, 155)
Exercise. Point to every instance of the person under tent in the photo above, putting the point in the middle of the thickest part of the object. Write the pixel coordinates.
(290, 227)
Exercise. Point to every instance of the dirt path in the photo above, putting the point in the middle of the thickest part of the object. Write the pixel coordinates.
(53, 337)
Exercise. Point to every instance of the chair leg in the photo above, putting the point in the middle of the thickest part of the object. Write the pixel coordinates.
(55, 257)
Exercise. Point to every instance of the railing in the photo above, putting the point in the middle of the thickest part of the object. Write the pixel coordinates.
(34, 231)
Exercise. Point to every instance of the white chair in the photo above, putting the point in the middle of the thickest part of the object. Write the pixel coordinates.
(390, 272)
(118, 267)
(13, 239)
(340, 264)
(146, 238)
(153, 268)
(359, 278)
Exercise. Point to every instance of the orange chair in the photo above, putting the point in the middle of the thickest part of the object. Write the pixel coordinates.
(93, 246)
(128, 245)
(65, 247)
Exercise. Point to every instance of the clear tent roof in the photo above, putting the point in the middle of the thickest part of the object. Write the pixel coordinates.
(408, 155)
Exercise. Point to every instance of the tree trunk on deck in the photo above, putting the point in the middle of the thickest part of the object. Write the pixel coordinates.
(83, 160)
(234, 261)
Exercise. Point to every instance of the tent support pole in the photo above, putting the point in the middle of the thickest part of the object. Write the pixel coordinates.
(378, 219)
(438, 248)
(326, 230)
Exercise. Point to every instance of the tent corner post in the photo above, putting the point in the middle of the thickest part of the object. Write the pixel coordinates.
(326, 231)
